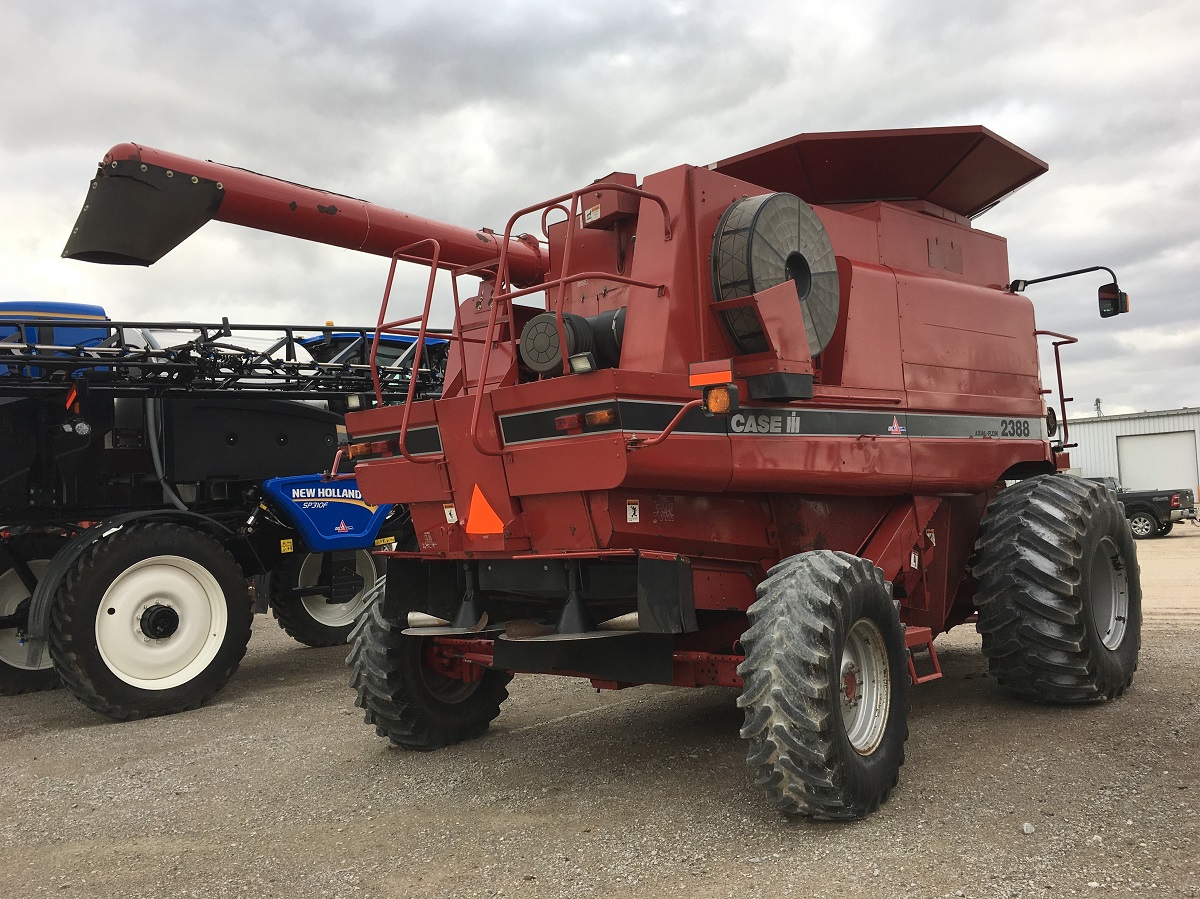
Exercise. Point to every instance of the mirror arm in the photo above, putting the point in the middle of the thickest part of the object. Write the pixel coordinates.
(1018, 286)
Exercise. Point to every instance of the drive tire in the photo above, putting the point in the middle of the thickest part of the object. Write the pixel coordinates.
(1059, 591)
(824, 633)
(1144, 526)
(16, 676)
(310, 619)
(150, 579)
(407, 703)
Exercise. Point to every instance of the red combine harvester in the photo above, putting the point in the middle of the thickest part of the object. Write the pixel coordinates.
(747, 424)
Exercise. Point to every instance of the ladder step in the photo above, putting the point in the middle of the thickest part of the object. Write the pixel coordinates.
(916, 638)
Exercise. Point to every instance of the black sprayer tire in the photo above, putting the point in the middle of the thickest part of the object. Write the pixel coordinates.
(1059, 591)
(151, 620)
(412, 706)
(825, 686)
(15, 674)
(310, 619)
(1144, 526)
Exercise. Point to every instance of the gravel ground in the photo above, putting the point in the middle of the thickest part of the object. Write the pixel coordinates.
(278, 789)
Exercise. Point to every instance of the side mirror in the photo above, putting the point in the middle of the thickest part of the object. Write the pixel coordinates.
(1113, 300)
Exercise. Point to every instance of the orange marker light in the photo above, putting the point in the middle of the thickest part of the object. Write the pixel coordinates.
(721, 399)
(600, 417)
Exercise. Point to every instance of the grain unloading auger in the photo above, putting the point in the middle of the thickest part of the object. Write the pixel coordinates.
(747, 425)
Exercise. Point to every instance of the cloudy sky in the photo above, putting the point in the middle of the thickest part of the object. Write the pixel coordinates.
(465, 112)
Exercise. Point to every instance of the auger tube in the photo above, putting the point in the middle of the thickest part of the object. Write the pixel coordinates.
(144, 202)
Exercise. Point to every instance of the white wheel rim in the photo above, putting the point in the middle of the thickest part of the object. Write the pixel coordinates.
(12, 594)
(161, 589)
(332, 614)
(864, 685)
(1109, 595)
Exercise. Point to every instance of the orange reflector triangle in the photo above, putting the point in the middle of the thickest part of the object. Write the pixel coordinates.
(482, 519)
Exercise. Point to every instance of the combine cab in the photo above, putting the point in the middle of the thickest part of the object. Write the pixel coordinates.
(748, 425)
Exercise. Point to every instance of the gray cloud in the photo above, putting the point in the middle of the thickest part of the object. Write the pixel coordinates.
(464, 113)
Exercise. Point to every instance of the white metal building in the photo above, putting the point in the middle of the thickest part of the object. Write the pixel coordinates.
(1145, 451)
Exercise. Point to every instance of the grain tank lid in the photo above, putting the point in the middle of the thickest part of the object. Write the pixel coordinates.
(965, 169)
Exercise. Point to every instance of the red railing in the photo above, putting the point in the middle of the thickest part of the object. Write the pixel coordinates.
(502, 296)
(1063, 399)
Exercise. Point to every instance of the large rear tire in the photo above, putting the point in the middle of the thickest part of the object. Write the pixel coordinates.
(1059, 591)
(151, 620)
(825, 686)
(16, 676)
(411, 705)
(313, 620)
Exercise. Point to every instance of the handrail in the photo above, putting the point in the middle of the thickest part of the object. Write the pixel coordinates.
(638, 443)
(1064, 340)
(505, 297)
(401, 439)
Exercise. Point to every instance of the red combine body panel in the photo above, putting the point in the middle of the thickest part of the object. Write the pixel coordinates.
(746, 424)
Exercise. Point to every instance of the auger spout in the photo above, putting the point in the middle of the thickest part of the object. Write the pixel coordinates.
(144, 202)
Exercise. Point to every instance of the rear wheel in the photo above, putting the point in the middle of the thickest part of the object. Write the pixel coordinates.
(1059, 591)
(825, 686)
(151, 620)
(1166, 528)
(311, 619)
(407, 702)
(1144, 525)
(16, 675)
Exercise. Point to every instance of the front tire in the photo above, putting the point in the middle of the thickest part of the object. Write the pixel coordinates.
(16, 676)
(1059, 591)
(411, 705)
(151, 620)
(312, 620)
(825, 686)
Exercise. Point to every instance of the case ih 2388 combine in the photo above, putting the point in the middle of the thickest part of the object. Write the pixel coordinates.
(747, 424)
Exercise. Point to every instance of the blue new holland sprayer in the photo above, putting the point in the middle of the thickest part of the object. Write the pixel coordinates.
(160, 481)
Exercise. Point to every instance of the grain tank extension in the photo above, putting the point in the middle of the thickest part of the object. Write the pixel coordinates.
(746, 424)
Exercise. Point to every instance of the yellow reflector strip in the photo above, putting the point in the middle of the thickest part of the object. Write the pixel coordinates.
(482, 519)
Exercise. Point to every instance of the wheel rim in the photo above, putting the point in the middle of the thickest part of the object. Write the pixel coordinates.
(864, 686)
(161, 622)
(449, 690)
(12, 594)
(1108, 589)
(1141, 525)
(337, 614)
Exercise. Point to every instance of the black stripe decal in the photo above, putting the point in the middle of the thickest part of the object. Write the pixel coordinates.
(419, 441)
(633, 416)
(638, 416)
(855, 423)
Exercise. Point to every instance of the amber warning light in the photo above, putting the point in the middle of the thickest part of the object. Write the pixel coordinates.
(716, 380)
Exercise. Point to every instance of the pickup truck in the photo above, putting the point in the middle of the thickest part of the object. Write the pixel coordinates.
(1152, 513)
